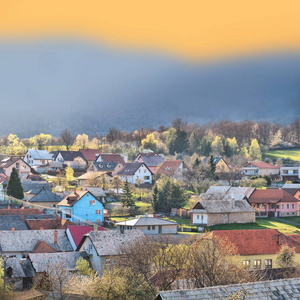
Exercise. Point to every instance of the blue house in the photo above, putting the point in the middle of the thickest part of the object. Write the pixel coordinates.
(81, 206)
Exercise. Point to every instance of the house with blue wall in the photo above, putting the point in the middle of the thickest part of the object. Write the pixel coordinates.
(81, 206)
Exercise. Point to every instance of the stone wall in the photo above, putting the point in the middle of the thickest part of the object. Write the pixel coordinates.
(228, 218)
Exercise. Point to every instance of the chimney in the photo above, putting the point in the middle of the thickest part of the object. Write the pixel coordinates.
(55, 237)
(46, 218)
(13, 229)
(146, 215)
(22, 217)
(42, 228)
(8, 207)
(279, 239)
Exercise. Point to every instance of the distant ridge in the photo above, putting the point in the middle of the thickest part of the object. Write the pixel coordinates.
(51, 85)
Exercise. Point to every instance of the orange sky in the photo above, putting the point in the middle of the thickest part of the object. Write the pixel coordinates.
(192, 28)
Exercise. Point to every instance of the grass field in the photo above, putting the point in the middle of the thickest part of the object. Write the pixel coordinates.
(263, 223)
(291, 154)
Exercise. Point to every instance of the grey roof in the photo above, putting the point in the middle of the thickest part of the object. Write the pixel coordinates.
(105, 166)
(56, 164)
(40, 154)
(45, 196)
(229, 191)
(223, 206)
(96, 191)
(42, 261)
(130, 168)
(14, 223)
(69, 155)
(152, 160)
(291, 191)
(34, 186)
(274, 289)
(109, 242)
(291, 186)
(21, 267)
(26, 240)
(146, 221)
(216, 159)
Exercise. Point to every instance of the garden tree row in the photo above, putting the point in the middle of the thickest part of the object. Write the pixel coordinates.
(150, 265)
(168, 193)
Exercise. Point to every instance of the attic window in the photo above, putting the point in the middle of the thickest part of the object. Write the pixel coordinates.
(101, 165)
(108, 165)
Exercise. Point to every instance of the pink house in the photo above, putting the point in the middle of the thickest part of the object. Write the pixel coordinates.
(152, 160)
(7, 165)
(275, 203)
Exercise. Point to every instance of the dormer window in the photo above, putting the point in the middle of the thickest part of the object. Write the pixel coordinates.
(101, 165)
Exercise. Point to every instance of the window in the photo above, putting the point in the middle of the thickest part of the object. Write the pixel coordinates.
(284, 171)
(153, 227)
(282, 206)
(287, 206)
(68, 213)
(246, 262)
(92, 202)
(139, 170)
(295, 171)
(98, 211)
(149, 227)
(293, 205)
(145, 171)
(197, 217)
(54, 205)
(146, 177)
(257, 264)
(268, 263)
(17, 165)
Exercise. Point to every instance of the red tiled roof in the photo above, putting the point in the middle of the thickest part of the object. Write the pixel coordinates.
(90, 154)
(112, 158)
(271, 196)
(169, 167)
(43, 247)
(38, 224)
(78, 232)
(262, 165)
(258, 241)
(20, 211)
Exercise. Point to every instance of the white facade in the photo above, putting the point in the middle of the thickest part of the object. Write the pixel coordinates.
(292, 170)
(152, 229)
(199, 218)
(32, 160)
(143, 173)
(59, 158)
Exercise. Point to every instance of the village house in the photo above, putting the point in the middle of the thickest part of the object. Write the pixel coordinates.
(152, 160)
(110, 158)
(92, 178)
(275, 203)
(44, 224)
(22, 242)
(258, 248)
(7, 165)
(81, 206)
(289, 172)
(149, 225)
(222, 166)
(259, 168)
(109, 167)
(76, 233)
(37, 157)
(102, 246)
(137, 170)
(223, 205)
(90, 155)
(69, 158)
(173, 168)
(292, 189)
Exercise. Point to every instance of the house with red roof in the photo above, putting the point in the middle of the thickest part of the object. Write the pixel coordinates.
(76, 233)
(151, 159)
(109, 158)
(90, 154)
(259, 168)
(275, 203)
(173, 168)
(258, 248)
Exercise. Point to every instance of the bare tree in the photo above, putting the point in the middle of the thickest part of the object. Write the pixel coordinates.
(67, 138)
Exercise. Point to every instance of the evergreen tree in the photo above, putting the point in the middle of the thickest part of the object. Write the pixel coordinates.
(212, 165)
(127, 195)
(14, 186)
(155, 197)
(193, 143)
(205, 147)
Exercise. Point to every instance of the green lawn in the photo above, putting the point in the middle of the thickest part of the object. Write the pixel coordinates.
(182, 222)
(263, 223)
(291, 154)
(292, 219)
(140, 204)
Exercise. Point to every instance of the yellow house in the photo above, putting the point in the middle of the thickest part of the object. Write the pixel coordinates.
(258, 248)
(222, 166)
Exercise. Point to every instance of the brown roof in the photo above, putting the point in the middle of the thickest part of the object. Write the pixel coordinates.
(72, 198)
(271, 196)
(262, 165)
(38, 224)
(43, 247)
(112, 158)
(20, 211)
(257, 241)
(6, 162)
(90, 154)
(169, 167)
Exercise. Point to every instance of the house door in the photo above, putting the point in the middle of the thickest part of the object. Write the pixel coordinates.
(159, 229)
(271, 214)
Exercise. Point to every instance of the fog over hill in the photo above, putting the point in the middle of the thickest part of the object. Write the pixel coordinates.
(51, 85)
